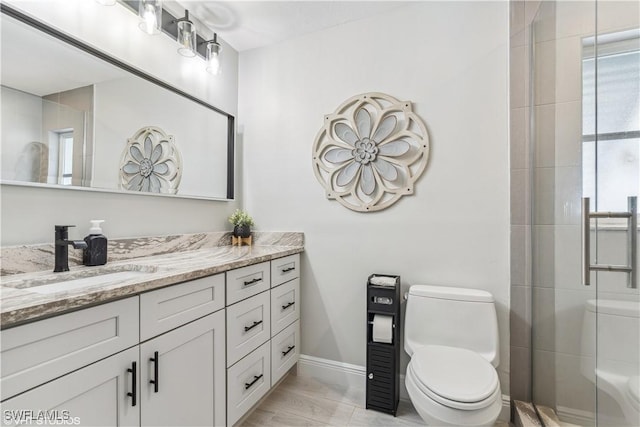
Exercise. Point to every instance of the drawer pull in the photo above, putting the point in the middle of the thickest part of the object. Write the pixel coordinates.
(156, 362)
(291, 347)
(284, 307)
(286, 270)
(253, 281)
(134, 375)
(256, 323)
(247, 386)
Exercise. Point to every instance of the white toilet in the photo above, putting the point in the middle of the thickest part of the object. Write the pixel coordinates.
(451, 335)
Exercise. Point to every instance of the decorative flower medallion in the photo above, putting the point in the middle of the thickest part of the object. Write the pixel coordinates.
(151, 162)
(370, 152)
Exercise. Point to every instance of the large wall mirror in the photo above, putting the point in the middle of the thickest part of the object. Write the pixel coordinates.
(73, 117)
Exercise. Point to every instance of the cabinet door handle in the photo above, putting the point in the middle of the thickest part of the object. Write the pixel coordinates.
(251, 282)
(256, 323)
(134, 375)
(284, 307)
(291, 347)
(286, 270)
(247, 386)
(156, 363)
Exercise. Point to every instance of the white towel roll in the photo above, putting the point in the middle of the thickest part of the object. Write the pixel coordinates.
(383, 281)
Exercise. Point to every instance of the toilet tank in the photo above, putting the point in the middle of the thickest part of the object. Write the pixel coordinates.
(455, 317)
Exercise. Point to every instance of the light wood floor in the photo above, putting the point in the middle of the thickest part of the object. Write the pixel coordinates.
(305, 401)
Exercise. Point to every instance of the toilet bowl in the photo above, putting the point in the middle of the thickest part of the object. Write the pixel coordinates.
(451, 336)
(453, 386)
(611, 329)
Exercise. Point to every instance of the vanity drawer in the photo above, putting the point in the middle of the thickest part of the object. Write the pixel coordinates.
(173, 306)
(248, 326)
(37, 352)
(285, 305)
(285, 269)
(247, 281)
(247, 381)
(285, 351)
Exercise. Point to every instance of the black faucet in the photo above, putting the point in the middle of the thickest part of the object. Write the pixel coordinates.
(61, 244)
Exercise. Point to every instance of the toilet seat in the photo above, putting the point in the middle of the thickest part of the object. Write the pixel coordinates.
(454, 377)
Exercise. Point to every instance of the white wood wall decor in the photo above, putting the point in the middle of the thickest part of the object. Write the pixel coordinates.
(370, 152)
(151, 162)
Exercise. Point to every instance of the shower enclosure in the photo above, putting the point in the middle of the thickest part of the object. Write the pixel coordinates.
(584, 97)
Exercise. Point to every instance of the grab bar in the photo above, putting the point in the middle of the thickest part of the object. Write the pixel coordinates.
(632, 242)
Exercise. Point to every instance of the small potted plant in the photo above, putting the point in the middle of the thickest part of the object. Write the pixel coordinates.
(242, 222)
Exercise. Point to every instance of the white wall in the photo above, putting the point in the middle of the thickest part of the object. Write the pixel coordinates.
(450, 59)
(21, 125)
(29, 214)
(200, 134)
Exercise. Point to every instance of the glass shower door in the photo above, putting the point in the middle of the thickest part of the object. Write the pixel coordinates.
(585, 137)
(611, 180)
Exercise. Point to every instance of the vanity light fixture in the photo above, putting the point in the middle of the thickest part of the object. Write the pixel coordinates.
(150, 12)
(213, 55)
(186, 36)
(155, 19)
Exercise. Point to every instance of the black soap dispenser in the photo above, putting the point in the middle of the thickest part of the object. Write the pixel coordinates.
(96, 251)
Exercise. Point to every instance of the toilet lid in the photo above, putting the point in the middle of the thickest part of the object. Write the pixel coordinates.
(455, 374)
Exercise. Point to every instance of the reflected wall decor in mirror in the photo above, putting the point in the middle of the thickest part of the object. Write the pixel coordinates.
(69, 110)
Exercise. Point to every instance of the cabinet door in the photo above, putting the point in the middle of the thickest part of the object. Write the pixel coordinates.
(247, 382)
(247, 281)
(95, 395)
(184, 384)
(285, 351)
(167, 308)
(285, 269)
(285, 305)
(248, 326)
(38, 352)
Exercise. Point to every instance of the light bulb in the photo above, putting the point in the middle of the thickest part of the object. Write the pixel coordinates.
(150, 16)
(213, 65)
(213, 56)
(149, 19)
(187, 38)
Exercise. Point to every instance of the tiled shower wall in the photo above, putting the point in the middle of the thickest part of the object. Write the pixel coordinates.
(547, 295)
(521, 18)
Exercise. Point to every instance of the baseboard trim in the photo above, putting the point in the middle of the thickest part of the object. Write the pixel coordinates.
(575, 416)
(348, 375)
(344, 374)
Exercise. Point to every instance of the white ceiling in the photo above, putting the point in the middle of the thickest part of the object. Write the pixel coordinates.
(250, 24)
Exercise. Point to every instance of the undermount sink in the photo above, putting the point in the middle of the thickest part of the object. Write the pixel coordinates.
(72, 280)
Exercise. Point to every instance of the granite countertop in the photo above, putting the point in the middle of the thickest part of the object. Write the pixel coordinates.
(32, 296)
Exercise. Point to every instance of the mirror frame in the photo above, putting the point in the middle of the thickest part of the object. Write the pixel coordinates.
(38, 25)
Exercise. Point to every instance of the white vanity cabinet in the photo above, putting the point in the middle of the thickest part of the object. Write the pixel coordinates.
(49, 366)
(171, 373)
(182, 357)
(96, 395)
(201, 352)
(285, 315)
(182, 375)
(263, 330)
